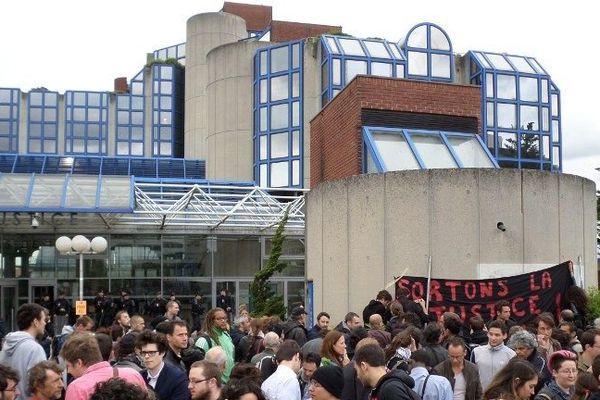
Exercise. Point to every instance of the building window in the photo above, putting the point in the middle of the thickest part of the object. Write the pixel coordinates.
(130, 118)
(9, 120)
(278, 127)
(42, 122)
(429, 53)
(86, 122)
(342, 58)
(176, 52)
(395, 149)
(167, 110)
(521, 111)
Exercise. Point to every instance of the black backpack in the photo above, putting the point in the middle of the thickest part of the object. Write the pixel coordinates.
(413, 395)
(57, 345)
(267, 366)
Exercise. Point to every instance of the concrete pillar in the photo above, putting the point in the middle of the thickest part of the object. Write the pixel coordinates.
(204, 33)
(229, 89)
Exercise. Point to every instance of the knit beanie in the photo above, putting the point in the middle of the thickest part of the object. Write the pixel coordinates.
(331, 378)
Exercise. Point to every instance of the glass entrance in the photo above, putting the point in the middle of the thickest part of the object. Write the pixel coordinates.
(8, 304)
(38, 289)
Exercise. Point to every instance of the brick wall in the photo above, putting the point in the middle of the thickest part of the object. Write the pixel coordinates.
(257, 17)
(284, 31)
(336, 137)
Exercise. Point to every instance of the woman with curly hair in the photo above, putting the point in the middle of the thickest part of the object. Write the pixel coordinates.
(333, 350)
(516, 380)
(215, 332)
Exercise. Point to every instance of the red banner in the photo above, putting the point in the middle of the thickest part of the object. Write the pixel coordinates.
(528, 294)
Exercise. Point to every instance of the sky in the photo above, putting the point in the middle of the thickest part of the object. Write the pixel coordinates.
(80, 45)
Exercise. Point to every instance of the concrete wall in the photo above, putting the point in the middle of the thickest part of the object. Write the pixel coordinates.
(363, 231)
(229, 137)
(204, 33)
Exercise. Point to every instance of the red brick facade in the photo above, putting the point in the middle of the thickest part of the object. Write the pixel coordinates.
(335, 133)
(284, 31)
(257, 17)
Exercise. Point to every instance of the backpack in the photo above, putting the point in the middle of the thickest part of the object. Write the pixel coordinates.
(397, 362)
(267, 366)
(413, 395)
(206, 337)
(57, 345)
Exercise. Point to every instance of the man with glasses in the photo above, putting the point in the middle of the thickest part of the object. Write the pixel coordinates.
(168, 381)
(204, 382)
(9, 381)
(462, 374)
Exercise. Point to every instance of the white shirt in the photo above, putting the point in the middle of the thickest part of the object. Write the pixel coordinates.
(460, 387)
(282, 385)
(152, 379)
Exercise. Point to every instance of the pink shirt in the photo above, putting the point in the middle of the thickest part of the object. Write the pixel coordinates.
(83, 387)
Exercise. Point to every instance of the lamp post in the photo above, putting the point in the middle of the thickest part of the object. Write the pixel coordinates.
(80, 245)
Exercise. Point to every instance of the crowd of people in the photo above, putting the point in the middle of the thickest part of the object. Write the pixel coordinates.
(394, 351)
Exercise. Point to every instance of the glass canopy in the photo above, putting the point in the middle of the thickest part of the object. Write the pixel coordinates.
(67, 192)
(394, 149)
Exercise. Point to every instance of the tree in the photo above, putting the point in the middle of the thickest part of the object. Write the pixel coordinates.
(264, 300)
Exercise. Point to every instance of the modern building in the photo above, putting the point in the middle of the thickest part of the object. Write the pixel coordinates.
(187, 167)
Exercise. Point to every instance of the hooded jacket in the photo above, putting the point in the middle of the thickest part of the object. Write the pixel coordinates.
(21, 352)
(395, 385)
(376, 307)
(294, 330)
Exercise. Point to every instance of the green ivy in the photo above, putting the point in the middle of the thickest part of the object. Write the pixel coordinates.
(169, 61)
(594, 303)
(263, 300)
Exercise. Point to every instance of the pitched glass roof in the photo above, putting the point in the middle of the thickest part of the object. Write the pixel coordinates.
(395, 149)
(372, 48)
(508, 63)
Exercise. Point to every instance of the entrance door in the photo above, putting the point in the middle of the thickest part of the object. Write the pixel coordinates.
(8, 304)
(230, 290)
(39, 288)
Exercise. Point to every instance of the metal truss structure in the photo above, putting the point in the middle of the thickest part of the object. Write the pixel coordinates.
(214, 206)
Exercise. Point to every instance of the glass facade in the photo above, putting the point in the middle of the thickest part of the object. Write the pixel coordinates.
(88, 165)
(149, 263)
(130, 119)
(429, 54)
(279, 116)
(342, 58)
(86, 122)
(10, 100)
(176, 52)
(520, 110)
(42, 122)
(167, 110)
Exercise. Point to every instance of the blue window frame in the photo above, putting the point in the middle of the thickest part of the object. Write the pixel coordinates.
(130, 118)
(42, 122)
(429, 54)
(520, 110)
(98, 165)
(278, 116)
(395, 149)
(342, 58)
(86, 122)
(167, 110)
(10, 100)
(176, 51)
